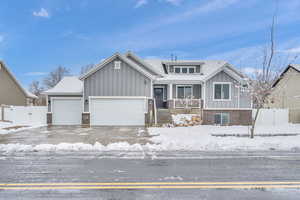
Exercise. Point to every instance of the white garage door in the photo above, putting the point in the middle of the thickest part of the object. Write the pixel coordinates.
(66, 111)
(117, 111)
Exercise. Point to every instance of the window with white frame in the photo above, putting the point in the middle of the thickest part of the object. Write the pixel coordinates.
(222, 91)
(117, 64)
(184, 69)
(184, 91)
(222, 118)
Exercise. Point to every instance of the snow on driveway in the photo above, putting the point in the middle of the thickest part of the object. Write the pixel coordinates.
(196, 138)
(8, 127)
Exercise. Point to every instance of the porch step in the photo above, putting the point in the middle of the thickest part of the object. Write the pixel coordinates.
(164, 116)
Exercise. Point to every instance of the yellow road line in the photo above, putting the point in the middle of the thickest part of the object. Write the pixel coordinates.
(153, 183)
(153, 187)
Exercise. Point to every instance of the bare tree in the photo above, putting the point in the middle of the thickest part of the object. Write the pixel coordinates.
(36, 88)
(86, 68)
(262, 82)
(55, 76)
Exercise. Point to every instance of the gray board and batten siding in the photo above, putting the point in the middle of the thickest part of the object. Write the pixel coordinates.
(239, 99)
(109, 81)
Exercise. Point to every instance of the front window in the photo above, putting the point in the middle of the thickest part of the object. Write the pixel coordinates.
(222, 118)
(184, 70)
(222, 91)
(184, 92)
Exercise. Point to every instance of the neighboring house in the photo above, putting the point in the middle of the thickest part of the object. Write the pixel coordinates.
(11, 91)
(123, 90)
(285, 92)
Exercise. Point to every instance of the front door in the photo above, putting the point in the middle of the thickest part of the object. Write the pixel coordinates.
(159, 97)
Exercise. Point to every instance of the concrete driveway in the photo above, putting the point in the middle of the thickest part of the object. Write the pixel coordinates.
(77, 134)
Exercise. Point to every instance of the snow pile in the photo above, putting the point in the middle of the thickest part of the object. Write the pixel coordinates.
(6, 127)
(121, 146)
(185, 119)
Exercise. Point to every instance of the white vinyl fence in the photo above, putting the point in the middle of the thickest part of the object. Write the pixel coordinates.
(26, 115)
(271, 117)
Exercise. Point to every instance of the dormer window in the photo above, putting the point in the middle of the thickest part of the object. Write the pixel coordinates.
(185, 69)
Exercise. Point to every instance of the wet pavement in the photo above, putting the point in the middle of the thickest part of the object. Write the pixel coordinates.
(77, 134)
(76, 167)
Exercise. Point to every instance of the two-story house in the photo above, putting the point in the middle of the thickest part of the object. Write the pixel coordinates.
(127, 90)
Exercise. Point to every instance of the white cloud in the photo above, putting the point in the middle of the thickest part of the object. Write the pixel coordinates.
(35, 74)
(251, 70)
(140, 3)
(174, 2)
(292, 50)
(41, 13)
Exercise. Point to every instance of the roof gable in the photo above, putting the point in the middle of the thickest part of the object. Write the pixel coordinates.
(110, 59)
(10, 74)
(70, 85)
(296, 67)
(141, 62)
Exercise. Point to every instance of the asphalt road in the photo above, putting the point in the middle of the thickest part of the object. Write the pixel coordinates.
(168, 175)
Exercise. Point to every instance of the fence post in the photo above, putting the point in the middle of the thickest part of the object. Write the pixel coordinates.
(2, 113)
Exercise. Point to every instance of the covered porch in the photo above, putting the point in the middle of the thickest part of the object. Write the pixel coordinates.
(184, 95)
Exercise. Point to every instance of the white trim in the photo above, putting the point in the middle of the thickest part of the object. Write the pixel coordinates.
(117, 97)
(151, 88)
(171, 91)
(227, 109)
(222, 83)
(47, 104)
(184, 86)
(204, 94)
(63, 93)
(83, 99)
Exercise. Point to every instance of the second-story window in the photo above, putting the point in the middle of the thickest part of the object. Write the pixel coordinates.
(184, 69)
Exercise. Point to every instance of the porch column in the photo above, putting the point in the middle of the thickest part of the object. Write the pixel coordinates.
(170, 91)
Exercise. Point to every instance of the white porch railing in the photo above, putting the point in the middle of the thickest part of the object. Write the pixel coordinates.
(186, 103)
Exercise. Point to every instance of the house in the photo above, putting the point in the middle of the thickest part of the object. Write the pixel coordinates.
(285, 92)
(11, 91)
(127, 90)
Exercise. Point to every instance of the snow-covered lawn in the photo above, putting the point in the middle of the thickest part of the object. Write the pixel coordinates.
(199, 138)
(8, 127)
(195, 138)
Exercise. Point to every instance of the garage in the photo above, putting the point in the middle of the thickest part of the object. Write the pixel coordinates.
(66, 111)
(118, 111)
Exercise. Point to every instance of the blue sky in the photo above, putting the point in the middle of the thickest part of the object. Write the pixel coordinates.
(38, 35)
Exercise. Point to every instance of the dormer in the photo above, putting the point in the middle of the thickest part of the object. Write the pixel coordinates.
(184, 68)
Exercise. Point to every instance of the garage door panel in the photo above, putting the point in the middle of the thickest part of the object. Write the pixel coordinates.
(123, 112)
(66, 111)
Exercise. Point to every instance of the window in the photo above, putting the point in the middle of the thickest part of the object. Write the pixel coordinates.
(183, 69)
(191, 70)
(177, 70)
(117, 64)
(222, 118)
(184, 91)
(222, 91)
